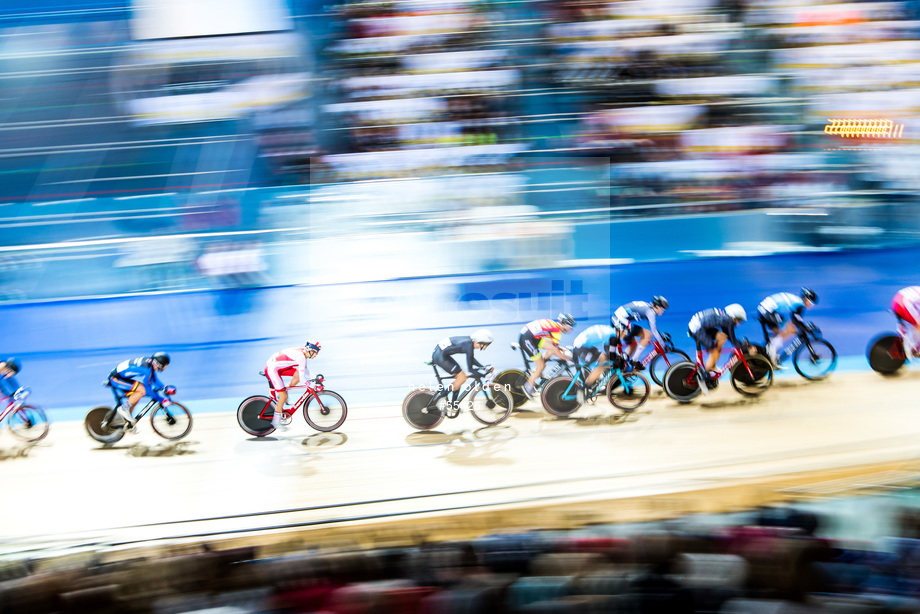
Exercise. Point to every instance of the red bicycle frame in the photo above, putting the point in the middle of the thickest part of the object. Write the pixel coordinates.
(311, 390)
(737, 355)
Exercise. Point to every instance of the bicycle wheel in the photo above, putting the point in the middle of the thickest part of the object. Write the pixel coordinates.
(173, 422)
(661, 363)
(680, 382)
(417, 413)
(886, 353)
(513, 381)
(93, 424)
(325, 411)
(29, 423)
(632, 392)
(255, 415)
(491, 404)
(815, 359)
(558, 396)
(757, 381)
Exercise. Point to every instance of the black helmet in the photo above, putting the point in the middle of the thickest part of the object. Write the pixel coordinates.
(161, 359)
(809, 295)
(565, 319)
(660, 301)
(13, 364)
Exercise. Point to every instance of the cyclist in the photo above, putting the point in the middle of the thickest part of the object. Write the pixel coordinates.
(8, 370)
(447, 348)
(138, 378)
(291, 362)
(711, 328)
(906, 307)
(592, 346)
(631, 334)
(543, 336)
(782, 314)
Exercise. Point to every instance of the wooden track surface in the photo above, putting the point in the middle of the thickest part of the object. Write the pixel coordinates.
(376, 476)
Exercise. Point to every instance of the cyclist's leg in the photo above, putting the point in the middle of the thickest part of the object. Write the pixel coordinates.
(278, 390)
(715, 351)
(644, 336)
(130, 391)
(530, 348)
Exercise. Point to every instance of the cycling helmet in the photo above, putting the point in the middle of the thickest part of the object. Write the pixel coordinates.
(161, 359)
(736, 312)
(482, 335)
(566, 319)
(809, 295)
(660, 301)
(13, 364)
(311, 344)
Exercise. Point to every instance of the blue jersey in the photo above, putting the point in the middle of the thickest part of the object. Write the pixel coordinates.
(637, 311)
(781, 305)
(8, 385)
(597, 336)
(141, 370)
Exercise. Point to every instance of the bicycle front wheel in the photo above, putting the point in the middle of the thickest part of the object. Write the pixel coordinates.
(29, 423)
(491, 404)
(815, 359)
(173, 422)
(757, 381)
(661, 363)
(886, 353)
(325, 411)
(513, 381)
(680, 382)
(558, 396)
(417, 412)
(255, 415)
(633, 390)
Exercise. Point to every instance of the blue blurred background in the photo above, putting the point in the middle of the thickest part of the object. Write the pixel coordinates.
(225, 179)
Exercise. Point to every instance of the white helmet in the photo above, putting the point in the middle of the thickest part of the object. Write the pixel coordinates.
(483, 335)
(736, 312)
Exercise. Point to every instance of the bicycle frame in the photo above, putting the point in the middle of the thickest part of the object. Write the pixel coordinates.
(309, 392)
(600, 384)
(736, 357)
(560, 366)
(471, 384)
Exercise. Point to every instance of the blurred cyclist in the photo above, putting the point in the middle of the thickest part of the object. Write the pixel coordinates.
(136, 379)
(542, 336)
(447, 348)
(592, 346)
(292, 363)
(906, 307)
(8, 370)
(711, 328)
(631, 334)
(782, 313)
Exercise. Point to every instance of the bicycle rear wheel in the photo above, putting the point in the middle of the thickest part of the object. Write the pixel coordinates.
(29, 423)
(325, 411)
(255, 415)
(417, 413)
(173, 422)
(513, 381)
(93, 424)
(661, 363)
(558, 396)
(757, 381)
(633, 390)
(491, 404)
(815, 359)
(680, 382)
(886, 353)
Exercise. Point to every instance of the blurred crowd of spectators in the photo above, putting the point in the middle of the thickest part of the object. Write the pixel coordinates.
(772, 563)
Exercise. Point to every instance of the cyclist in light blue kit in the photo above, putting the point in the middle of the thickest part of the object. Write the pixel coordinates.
(782, 313)
(592, 346)
(8, 384)
(136, 379)
(635, 337)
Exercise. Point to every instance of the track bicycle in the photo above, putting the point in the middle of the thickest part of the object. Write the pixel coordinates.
(513, 380)
(27, 422)
(170, 420)
(660, 359)
(813, 357)
(323, 409)
(888, 351)
(751, 375)
(490, 403)
(626, 389)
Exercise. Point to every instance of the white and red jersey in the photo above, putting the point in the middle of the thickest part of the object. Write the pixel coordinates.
(286, 363)
(906, 305)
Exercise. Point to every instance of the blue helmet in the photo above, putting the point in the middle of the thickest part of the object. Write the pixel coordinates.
(13, 364)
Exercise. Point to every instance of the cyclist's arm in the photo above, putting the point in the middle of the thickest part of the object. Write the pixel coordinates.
(302, 374)
(652, 326)
(153, 385)
(471, 362)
